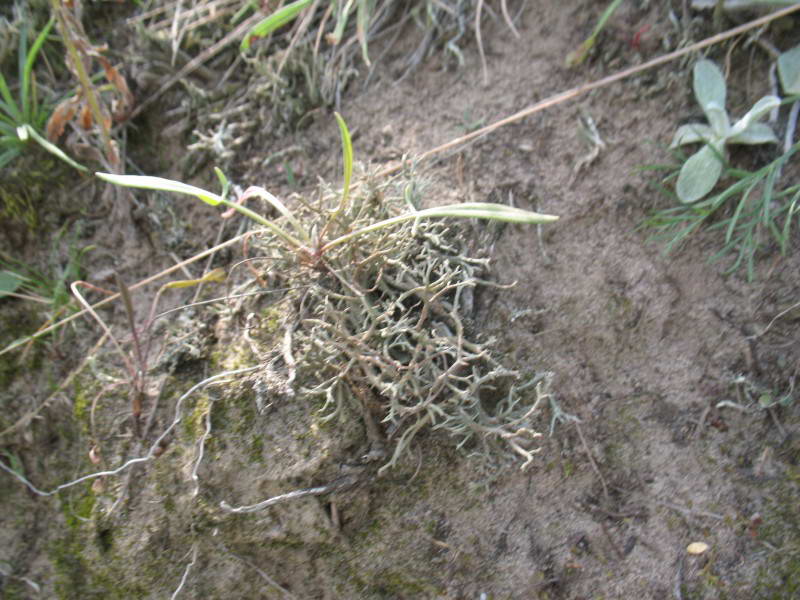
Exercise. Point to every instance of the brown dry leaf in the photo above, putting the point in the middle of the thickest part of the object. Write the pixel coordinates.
(118, 81)
(85, 119)
(112, 154)
(62, 114)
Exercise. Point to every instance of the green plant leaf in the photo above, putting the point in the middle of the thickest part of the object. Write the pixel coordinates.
(467, 210)
(9, 282)
(760, 108)
(347, 158)
(8, 105)
(699, 174)
(6, 156)
(362, 25)
(168, 185)
(223, 181)
(789, 70)
(691, 133)
(26, 130)
(341, 22)
(718, 119)
(709, 84)
(159, 183)
(260, 192)
(275, 21)
(28, 105)
(578, 55)
(757, 133)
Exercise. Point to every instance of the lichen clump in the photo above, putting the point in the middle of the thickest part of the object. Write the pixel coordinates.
(383, 324)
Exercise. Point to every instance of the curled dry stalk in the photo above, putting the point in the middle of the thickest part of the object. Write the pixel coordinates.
(137, 361)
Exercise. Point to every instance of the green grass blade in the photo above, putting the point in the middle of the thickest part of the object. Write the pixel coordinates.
(8, 155)
(347, 157)
(52, 148)
(578, 55)
(28, 107)
(9, 106)
(275, 21)
(255, 190)
(790, 216)
(164, 185)
(469, 210)
(362, 27)
(739, 208)
(168, 185)
(341, 22)
(223, 181)
(8, 128)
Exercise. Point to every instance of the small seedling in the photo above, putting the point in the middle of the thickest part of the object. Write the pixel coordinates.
(311, 246)
(762, 209)
(577, 56)
(701, 172)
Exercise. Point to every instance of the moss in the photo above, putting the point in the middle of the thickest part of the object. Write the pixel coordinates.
(257, 449)
(70, 579)
(77, 577)
(83, 555)
(18, 205)
(81, 406)
(394, 584)
(271, 320)
(779, 576)
(231, 357)
(78, 511)
(194, 424)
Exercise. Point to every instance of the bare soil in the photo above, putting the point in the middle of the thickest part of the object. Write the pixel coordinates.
(643, 347)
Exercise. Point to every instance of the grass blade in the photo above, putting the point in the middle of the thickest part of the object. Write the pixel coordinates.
(9, 106)
(362, 25)
(168, 185)
(51, 148)
(159, 183)
(275, 21)
(28, 107)
(347, 157)
(468, 210)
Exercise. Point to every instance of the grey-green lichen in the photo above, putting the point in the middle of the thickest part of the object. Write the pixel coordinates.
(382, 325)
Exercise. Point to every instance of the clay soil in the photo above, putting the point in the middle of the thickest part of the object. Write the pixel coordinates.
(643, 346)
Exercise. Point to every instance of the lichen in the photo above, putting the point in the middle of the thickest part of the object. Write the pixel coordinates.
(381, 324)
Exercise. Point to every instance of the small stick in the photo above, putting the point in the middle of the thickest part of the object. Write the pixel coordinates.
(264, 576)
(611, 541)
(686, 511)
(591, 459)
